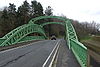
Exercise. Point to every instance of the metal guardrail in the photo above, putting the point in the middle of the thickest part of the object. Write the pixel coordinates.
(80, 52)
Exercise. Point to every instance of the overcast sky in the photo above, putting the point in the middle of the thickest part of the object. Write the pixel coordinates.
(81, 10)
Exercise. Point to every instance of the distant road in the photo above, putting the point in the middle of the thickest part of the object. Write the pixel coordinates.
(33, 55)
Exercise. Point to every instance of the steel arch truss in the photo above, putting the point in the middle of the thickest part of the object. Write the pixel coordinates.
(71, 37)
(46, 23)
(70, 32)
(21, 32)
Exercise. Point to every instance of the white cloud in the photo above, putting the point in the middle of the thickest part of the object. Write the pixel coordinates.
(82, 10)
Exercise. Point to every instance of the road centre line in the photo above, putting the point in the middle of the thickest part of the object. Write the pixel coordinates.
(50, 54)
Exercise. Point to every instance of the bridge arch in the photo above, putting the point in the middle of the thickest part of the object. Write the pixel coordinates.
(79, 50)
(47, 23)
(19, 33)
(58, 23)
(70, 32)
(46, 17)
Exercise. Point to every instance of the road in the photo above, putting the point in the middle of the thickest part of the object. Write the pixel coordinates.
(66, 57)
(32, 55)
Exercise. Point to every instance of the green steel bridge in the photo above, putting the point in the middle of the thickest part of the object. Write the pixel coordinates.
(20, 34)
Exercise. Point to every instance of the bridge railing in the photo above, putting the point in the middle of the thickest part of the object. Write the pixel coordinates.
(1, 40)
(80, 52)
(13, 31)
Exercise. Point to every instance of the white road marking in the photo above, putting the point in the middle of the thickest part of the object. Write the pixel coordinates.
(50, 54)
(54, 56)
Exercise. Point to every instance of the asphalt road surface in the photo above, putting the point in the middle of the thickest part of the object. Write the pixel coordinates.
(66, 57)
(32, 55)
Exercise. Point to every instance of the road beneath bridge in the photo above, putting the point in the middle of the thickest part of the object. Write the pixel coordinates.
(37, 54)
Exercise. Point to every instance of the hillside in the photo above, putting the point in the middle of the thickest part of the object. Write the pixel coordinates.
(93, 45)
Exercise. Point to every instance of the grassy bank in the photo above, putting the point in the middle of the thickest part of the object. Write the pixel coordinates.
(92, 43)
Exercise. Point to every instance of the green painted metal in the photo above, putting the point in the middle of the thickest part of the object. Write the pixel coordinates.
(21, 33)
(13, 31)
(45, 17)
(46, 23)
(2, 40)
(71, 34)
(80, 52)
(71, 38)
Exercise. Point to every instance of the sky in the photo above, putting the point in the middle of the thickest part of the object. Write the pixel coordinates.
(81, 10)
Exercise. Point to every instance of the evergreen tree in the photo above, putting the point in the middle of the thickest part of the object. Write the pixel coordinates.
(23, 13)
(12, 16)
(40, 9)
(36, 8)
(4, 14)
(4, 22)
(48, 11)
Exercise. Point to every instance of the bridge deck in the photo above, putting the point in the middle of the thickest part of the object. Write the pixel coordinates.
(66, 57)
(36, 54)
